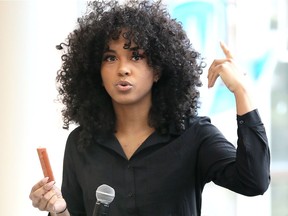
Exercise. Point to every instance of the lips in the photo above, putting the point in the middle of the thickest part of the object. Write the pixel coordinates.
(123, 85)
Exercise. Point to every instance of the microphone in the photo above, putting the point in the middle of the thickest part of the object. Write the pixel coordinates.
(104, 196)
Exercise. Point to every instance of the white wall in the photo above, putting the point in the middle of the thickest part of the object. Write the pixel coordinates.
(29, 117)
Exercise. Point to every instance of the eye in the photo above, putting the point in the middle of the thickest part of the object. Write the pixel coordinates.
(109, 58)
(136, 56)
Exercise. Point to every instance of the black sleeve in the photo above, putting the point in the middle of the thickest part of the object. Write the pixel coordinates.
(245, 170)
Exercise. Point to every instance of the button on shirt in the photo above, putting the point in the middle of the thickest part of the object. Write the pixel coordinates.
(167, 173)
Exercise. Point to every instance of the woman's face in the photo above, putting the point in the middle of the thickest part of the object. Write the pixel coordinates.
(126, 75)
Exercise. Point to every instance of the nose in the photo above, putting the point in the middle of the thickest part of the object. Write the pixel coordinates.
(124, 73)
(124, 69)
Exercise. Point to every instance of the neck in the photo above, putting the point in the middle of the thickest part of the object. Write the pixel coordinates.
(131, 119)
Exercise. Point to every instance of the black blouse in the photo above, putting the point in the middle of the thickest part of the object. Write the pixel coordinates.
(167, 173)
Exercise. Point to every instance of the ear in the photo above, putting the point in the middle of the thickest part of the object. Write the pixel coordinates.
(156, 78)
(157, 75)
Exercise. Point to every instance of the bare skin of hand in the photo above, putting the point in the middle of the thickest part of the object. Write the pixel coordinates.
(233, 79)
(227, 70)
(47, 197)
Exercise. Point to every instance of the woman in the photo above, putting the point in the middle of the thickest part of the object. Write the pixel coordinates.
(130, 80)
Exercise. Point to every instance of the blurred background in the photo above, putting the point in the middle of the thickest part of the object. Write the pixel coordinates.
(256, 32)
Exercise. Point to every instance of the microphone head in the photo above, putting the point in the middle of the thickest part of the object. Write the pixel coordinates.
(105, 194)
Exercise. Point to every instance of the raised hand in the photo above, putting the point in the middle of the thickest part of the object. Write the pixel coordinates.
(227, 70)
(233, 79)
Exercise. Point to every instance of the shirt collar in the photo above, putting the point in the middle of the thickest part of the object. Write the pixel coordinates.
(111, 142)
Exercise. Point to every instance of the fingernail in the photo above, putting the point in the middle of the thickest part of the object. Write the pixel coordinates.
(49, 185)
(45, 180)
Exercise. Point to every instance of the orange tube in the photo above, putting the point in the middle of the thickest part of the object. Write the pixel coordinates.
(45, 163)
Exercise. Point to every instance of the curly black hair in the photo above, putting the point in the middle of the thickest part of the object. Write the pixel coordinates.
(174, 97)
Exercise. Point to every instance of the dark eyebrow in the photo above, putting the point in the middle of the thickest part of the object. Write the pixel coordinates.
(109, 50)
(136, 48)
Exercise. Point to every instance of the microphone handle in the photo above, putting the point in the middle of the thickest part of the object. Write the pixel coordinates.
(101, 209)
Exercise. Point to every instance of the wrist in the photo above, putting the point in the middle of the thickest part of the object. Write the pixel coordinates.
(61, 212)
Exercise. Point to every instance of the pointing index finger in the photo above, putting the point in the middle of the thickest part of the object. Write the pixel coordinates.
(226, 50)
